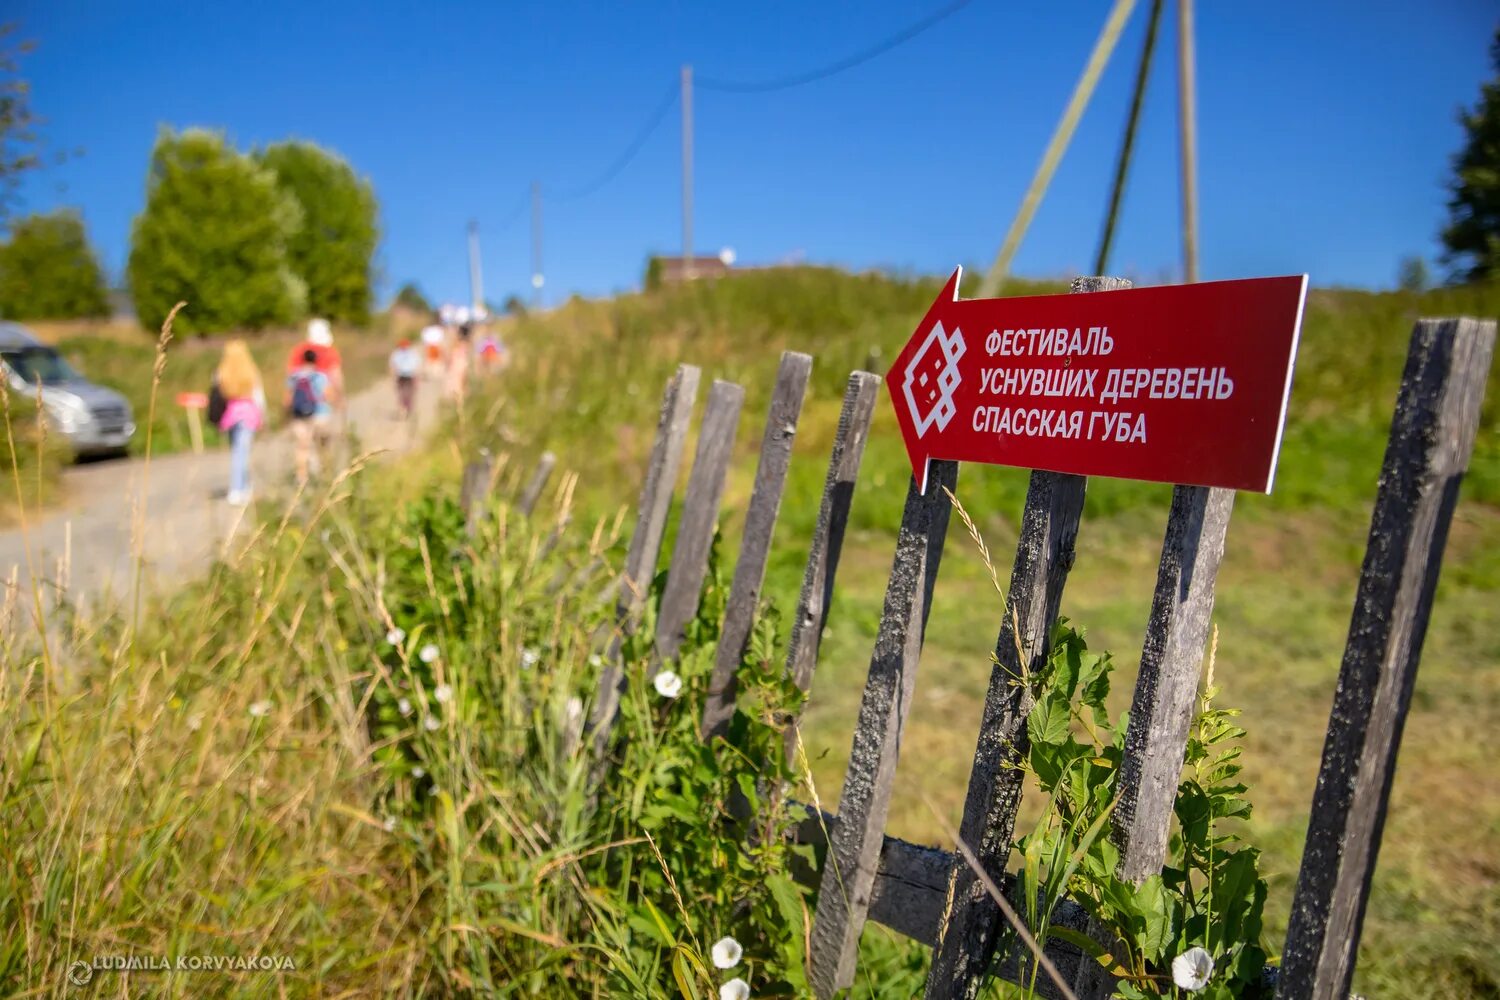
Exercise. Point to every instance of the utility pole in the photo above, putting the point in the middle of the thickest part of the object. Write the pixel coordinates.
(687, 171)
(476, 272)
(1187, 114)
(536, 244)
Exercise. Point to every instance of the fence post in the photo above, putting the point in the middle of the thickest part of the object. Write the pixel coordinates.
(471, 494)
(1166, 688)
(1044, 555)
(533, 491)
(645, 541)
(700, 517)
(828, 535)
(854, 848)
(755, 546)
(1432, 435)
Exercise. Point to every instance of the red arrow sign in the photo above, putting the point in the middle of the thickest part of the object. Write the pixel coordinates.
(1177, 384)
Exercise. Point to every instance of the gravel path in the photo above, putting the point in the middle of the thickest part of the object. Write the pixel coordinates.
(85, 542)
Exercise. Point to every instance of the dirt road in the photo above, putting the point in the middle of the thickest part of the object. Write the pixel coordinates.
(85, 542)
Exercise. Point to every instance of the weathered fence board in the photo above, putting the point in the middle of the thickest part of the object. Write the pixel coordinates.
(1044, 555)
(911, 885)
(1166, 689)
(1167, 685)
(533, 491)
(854, 852)
(755, 548)
(700, 516)
(645, 542)
(472, 490)
(828, 535)
(1432, 435)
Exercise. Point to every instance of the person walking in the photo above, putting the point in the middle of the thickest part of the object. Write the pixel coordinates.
(309, 405)
(456, 378)
(406, 365)
(239, 383)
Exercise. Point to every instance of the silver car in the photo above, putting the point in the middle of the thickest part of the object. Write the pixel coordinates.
(95, 420)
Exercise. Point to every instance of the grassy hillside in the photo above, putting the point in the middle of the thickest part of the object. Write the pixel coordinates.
(586, 384)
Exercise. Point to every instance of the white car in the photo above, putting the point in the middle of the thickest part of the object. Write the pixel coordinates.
(95, 420)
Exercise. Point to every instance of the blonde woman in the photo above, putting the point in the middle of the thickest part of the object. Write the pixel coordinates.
(244, 411)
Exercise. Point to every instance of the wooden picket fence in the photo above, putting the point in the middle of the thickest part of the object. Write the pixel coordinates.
(937, 896)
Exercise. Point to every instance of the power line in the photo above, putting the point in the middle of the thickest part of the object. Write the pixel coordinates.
(880, 48)
(623, 160)
(514, 215)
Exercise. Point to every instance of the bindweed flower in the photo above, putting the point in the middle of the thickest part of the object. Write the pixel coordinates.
(726, 953)
(528, 658)
(443, 693)
(419, 772)
(429, 652)
(404, 706)
(667, 684)
(735, 989)
(396, 636)
(260, 709)
(1192, 969)
(431, 724)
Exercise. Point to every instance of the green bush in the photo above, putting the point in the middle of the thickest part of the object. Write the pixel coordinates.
(333, 250)
(411, 297)
(215, 234)
(49, 271)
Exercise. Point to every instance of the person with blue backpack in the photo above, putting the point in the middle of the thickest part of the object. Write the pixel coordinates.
(309, 408)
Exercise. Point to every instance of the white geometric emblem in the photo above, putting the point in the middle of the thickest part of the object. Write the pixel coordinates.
(931, 377)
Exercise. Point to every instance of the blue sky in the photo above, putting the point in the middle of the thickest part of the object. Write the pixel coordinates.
(1325, 130)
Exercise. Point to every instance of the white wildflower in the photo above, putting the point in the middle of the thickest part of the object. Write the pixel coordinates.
(396, 636)
(419, 772)
(735, 989)
(429, 652)
(389, 824)
(260, 709)
(443, 693)
(573, 710)
(595, 660)
(528, 658)
(726, 953)
(195, 722)
(668, 684)
(1192, 969)
(433, 790)
(431, 724)
(404, 706)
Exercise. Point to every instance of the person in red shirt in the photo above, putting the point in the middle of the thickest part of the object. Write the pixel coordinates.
(326, 360)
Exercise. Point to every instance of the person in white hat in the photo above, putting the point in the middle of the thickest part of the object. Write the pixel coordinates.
(327, 361)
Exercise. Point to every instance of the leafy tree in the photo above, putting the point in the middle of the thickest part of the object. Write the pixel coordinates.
(48, 270)
(1473, 232)
(1411, 275)
(335, 247)
(411, 297)
(214, 233)
(17, 122)
(652, 279)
